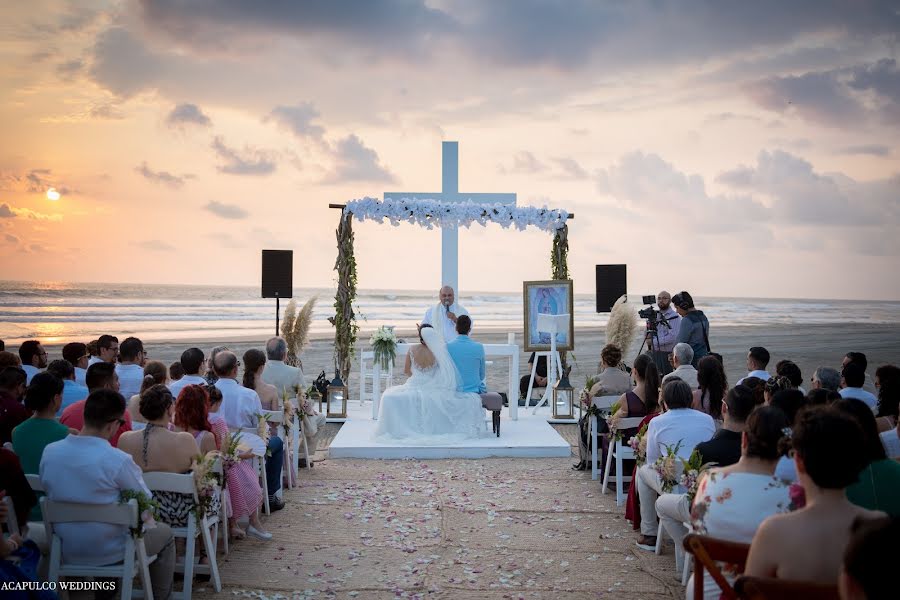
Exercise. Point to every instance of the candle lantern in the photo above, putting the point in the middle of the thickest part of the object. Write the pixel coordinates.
(564, 397)
(336, 398)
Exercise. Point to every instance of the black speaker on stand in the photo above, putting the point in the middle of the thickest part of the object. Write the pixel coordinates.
(611, 285)
(277, 277)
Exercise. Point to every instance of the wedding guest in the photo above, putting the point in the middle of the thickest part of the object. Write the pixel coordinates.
(34, 358)
(176, 371)
(540, 376)
(243, 488)
(240, 407)
(821, 397)
(867, 572)
(758, 386)
(77, 355)
(155, 373)
(287, 380)
(787, 368)
(878, 487)
(611, 381)
(666, 333)
(100, 376)
(87, 469)
(680, 426)
(693, 328)
(860, 359)
(14, 484)
(211, 376)
(891, 442)
(12, 412)
(72, 390)
(852, 379)
(107, 350)
(194, 364)
(269, 398)
(451, 311)
(724, 449)
(156, 448)
(826, 378)
(712, 386)
(8, 359)
(130, 367)
(887, 383)
(757, 361)
(774, 385)
(93, 349)
(683, 361)
(808, 544)
(31, 436)
(790, 402)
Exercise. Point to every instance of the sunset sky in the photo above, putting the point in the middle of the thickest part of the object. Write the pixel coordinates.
(727, 148)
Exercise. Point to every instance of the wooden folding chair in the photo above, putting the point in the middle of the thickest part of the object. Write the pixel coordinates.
(767, 588)
(708, 552)
(135, 561)
(207, 528)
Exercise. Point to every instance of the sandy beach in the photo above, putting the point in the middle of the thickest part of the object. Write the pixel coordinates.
(809, 346)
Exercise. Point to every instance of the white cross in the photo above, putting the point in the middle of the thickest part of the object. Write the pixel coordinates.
(450, 193)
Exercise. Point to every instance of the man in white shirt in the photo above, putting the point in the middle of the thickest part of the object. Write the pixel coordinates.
(852, 379)
(130, 367)
(682, 357)
(286, 379)
(85, 468)
(680, 425)
(240, 407)
(34, 358)
(108, 347)
(447, 320)
(194, 364)
(860, 359)
(76, 354)
(757, 361)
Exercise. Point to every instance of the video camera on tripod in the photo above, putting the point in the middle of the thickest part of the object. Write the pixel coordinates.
(653, 317)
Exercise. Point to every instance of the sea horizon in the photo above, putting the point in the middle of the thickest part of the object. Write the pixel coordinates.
(59, 312)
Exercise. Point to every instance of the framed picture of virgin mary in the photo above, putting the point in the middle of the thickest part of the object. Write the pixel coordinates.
(548, 297)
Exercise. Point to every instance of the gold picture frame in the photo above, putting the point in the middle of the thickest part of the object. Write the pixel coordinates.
(555, 296)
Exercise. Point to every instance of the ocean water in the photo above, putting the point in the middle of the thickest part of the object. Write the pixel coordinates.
(61, 312)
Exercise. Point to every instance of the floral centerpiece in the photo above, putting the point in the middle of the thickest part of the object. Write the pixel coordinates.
(231, 452)
(667, 467)
(289, 410)
(638, 443)
(384, 342)
(207, 484)
(612, 421)
(148, 510)
(692, 473)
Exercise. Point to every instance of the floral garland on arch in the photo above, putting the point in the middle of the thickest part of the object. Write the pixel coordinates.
(436, 213)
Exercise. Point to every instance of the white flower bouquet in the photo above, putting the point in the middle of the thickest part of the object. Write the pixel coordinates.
(384, 342)
(668, 466)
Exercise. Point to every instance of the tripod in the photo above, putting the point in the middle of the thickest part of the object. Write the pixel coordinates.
(651, 335)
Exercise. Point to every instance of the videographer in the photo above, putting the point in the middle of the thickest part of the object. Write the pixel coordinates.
(668, 324)
(694, 327)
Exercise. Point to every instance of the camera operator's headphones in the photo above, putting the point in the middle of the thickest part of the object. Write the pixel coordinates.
(683, 301)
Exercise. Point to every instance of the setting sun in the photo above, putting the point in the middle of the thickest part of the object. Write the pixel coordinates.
(52, 194)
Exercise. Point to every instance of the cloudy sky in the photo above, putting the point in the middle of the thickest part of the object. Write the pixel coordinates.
(727, 148)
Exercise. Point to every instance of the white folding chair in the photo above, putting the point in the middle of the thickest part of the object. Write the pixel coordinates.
(277, 418)
(603, 403)
(259, 463)
(299, 439)
(207, 528)
(687, 560)
(12, 522)
(135, 561)
(620, 451)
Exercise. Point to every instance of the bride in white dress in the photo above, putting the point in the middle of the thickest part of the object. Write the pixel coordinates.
(428, 409)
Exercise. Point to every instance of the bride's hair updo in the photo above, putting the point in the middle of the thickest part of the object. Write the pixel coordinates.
(421, 327)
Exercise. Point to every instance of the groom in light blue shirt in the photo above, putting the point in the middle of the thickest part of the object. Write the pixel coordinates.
(469, 357)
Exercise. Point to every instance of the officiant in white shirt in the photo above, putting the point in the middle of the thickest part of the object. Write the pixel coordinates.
(452, 311)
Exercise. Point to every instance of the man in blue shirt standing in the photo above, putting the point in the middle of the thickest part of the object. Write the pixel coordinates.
(468, 355)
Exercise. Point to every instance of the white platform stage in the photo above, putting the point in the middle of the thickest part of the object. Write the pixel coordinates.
(528, 437)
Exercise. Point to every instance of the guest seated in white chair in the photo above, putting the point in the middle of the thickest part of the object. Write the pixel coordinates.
(155, 373)
(156, 448)
(679, 426)
(85, 468)
(682, 356)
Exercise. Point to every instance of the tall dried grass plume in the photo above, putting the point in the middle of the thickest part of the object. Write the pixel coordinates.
(295, 329)
(622, 325)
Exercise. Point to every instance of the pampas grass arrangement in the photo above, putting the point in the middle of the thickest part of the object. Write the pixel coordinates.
(622, 325)
(295, 329)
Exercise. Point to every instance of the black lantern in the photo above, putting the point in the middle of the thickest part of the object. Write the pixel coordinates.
(564, 397)
(336, 398)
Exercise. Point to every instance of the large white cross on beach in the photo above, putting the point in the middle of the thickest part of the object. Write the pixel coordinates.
(450, 193)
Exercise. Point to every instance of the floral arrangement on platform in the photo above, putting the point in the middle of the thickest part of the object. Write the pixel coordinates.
(384, 342)
(693, 470)
(638, 444)
(436, 213)
(148, 510)
(667, 467)
(207, 484)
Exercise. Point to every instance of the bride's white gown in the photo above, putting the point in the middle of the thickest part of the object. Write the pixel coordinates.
(427, 409)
